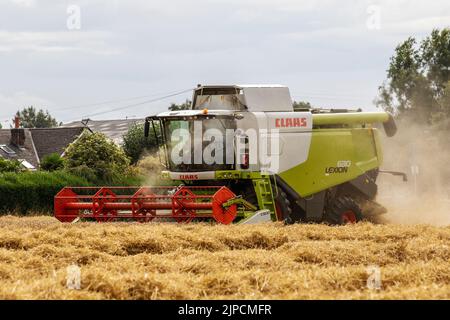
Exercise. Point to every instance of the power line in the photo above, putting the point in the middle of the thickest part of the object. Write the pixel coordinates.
(139, 103)
(297, 95)
(103, 103)
(118, 108)
(100, 103)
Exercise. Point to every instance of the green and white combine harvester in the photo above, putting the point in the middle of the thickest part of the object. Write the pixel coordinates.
(243, 154)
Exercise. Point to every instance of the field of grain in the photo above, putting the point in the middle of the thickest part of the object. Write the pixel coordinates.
(270, 261)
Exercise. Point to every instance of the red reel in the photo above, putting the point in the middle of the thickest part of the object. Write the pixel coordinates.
(179, 199)
(221, 214)
(102, 214)
(139, 212)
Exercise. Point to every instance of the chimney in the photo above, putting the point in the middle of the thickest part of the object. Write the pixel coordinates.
(17, 134)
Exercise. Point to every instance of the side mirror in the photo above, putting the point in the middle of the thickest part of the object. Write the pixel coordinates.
(146, 128)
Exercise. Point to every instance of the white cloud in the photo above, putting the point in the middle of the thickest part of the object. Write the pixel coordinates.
(129, 48)
(417, 26)
(24, 3)
(94, 42)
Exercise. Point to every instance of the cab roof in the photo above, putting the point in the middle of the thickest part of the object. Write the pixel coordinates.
(254, 97)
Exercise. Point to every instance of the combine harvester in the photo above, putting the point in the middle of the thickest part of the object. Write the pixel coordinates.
(243, 154)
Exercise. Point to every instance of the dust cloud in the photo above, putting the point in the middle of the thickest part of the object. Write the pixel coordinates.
(149, 166)
(423, 154)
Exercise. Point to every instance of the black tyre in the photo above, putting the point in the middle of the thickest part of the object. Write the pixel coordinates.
(283, 207)
(343, 210)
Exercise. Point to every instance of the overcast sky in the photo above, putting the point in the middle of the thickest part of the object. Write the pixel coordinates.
(331, 53)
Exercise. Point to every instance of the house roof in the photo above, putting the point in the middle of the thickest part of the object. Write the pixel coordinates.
(38, 143)
(113, 129)
(27, 152)
(53, 140)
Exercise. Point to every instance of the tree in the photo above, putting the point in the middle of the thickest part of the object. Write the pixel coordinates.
(301, 105)
(184, 106)
(97, 154)
(436, 58)
(135, 144)
(417, 79)
(444, 110)
(31, 118)
(52, 162)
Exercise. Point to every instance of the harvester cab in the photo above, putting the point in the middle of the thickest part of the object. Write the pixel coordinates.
(241, 153)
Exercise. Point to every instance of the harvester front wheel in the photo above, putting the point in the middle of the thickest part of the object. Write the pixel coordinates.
(343, 210)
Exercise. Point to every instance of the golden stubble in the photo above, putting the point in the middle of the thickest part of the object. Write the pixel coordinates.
(195, 261)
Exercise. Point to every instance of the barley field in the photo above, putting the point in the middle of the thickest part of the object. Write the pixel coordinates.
(200, 261)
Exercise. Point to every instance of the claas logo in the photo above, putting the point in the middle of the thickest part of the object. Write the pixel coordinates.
(189, 177)
(290, 122)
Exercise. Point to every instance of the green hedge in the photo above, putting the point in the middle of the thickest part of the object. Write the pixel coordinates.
(33, 192)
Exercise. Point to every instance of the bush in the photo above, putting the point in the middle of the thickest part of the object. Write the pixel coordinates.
(85, 172)
(52, 162)
(127, 178)
(10, 165)
(28, 192)
(99, 154)
(135, 144)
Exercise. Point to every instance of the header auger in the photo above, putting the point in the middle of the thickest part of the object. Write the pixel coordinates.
(241, 153)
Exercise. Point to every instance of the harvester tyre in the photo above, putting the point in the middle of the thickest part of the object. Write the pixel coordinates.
(343, 210)
(283, 207)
